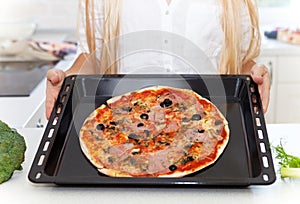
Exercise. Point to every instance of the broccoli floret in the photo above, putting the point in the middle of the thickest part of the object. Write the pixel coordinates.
(12, 150)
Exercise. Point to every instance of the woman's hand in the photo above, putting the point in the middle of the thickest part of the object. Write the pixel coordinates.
(261, 77)
(55, 78)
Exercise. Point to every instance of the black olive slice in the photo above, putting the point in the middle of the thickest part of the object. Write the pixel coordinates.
(201, 131)
(133, 136)
(166, 103)
(127, 109)
(140, 125)
(196, 117)
(218, 122)
(185, 119)
(113, 123)
(144, 116)
(164, 143)
(172, 167)
(190, 158)
(100, 127)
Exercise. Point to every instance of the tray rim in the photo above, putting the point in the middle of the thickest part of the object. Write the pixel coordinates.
(266, 177)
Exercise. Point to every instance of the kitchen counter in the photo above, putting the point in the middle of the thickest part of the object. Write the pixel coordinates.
(20, 112)
(20, 190)
(275, 47)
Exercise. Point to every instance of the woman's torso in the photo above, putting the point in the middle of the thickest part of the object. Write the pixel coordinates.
(158, 37)
(182, 37)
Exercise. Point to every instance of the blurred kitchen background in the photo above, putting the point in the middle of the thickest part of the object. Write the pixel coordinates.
(46, 15)
(50, 29)
(34, 36)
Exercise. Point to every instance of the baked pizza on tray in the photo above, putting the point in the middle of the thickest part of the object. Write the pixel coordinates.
(154, 132)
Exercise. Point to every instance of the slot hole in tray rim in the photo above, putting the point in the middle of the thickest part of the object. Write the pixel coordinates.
(67, 89)
(263, 147)
(265, 162)
(252, 88)
(63, 98)
(55, 120)
(38, 175)
(59, 109)
(258, 122)
(46, 146)
(254, 99)
(256, 110)
(50, 134)
(260, 134)
(266, 177)
(41, 160)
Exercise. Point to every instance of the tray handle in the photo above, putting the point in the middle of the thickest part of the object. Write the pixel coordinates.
(37, 173)
(267, 175)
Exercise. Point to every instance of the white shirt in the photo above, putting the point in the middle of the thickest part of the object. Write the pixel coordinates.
(183, 37)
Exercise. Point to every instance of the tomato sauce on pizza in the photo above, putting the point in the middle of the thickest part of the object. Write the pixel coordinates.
(154, 132)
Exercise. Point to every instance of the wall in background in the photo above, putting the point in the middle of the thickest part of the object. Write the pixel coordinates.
(62, 14)
(54, 14)
(279, 13)
(58, 14)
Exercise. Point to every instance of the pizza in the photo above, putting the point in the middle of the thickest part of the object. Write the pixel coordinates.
(158, 131)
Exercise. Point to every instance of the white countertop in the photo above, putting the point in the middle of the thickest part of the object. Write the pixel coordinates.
(277, 48)
(18, 111)
(20, 190)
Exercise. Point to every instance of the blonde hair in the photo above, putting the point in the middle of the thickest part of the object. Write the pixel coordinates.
(231, 61)
(111, 31)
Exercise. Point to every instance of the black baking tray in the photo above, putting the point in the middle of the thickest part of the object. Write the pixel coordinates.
(245, 161)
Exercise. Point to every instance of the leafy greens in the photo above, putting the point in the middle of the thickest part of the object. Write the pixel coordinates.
(290, 165)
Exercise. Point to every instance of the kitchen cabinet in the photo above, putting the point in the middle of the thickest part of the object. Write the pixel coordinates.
(288, 103)
(16, 111)
(288, 90)
(289, 72)
(283, 61)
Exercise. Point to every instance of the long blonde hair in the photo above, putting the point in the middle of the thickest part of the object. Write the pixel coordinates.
(231, 61)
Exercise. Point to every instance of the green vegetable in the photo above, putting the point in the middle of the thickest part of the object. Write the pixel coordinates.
(290, 172)
(12, 149)
(290, 165)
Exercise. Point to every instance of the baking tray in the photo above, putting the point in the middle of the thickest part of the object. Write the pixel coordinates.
(245, 161)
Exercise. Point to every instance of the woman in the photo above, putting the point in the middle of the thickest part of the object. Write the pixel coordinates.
(226, 30)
